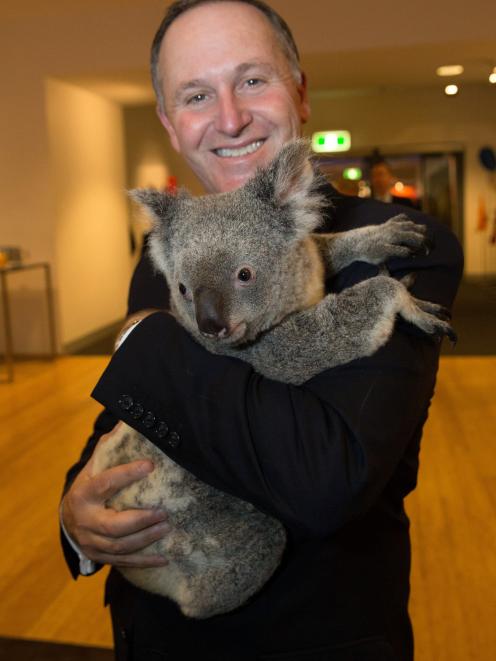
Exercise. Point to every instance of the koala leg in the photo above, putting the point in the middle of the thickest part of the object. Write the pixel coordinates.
(341, 328)
(374, 244)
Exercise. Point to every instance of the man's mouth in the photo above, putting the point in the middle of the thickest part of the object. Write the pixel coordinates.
(236, 152)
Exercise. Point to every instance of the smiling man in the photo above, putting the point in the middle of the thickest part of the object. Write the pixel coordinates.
(332, 459)
(230, 102)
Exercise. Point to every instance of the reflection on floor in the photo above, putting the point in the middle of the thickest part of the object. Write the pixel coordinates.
(34, 650)
(474, 319)
(46, 413)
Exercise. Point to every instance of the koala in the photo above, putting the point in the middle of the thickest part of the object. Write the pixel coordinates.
(246, 275)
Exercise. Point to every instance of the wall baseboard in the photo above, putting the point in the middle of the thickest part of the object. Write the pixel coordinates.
(82, 344)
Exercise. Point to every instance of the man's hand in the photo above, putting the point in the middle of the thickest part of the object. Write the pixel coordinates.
(104, 535)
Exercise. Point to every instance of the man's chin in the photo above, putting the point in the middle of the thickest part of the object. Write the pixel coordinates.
(229, 173)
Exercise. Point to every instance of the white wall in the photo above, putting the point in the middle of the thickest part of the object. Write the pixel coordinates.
(54, 40)
(91, 233)
(413, 120)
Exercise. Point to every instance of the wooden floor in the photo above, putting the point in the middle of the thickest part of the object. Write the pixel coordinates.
(46, 413)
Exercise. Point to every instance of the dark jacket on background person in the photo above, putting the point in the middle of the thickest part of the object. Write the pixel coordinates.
(332, 459)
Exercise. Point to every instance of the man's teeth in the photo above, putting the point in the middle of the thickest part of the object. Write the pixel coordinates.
(241, 151)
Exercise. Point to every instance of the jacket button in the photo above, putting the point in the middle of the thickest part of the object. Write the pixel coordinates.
(162, 430)
(137, 411)
(149, 420)
(173, 439)
(125, 402)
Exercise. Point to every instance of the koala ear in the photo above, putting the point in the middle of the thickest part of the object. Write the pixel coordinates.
(160, 205)
(290, 183)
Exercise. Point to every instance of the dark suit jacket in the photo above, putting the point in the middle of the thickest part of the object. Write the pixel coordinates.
(332, 459)
(403, 201)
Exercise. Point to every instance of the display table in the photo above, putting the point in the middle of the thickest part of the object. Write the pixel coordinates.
(5, 273)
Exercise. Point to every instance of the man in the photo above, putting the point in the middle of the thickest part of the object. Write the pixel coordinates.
(382, 181)
(332, 459)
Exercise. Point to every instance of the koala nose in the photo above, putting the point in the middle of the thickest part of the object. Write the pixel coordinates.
(210, 312)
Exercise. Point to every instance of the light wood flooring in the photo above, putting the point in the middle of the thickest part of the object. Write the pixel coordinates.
(46, 414)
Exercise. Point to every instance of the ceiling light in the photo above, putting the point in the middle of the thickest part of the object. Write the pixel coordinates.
(451, 90)
(492, 76)
(450, 70)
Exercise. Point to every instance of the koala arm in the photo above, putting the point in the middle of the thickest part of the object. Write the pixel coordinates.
(374, 244)
(339, 329)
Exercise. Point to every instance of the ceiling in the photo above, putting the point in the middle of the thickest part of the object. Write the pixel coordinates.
(344, 46)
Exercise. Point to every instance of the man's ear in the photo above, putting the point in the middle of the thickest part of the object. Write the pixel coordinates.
(304, 102)
(166, 123)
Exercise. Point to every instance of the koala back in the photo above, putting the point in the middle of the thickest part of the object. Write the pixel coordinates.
(221, 550)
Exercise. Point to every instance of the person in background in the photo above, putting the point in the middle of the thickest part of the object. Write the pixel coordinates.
(382, 182)
(332, 459)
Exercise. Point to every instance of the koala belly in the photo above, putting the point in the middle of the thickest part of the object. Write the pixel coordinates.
(221, 550)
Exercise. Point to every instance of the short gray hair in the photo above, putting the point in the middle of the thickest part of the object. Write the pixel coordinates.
(281, 29)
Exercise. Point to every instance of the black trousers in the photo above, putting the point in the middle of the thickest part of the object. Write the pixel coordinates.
(144, 632)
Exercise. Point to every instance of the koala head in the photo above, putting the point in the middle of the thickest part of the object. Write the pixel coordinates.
(238, 262)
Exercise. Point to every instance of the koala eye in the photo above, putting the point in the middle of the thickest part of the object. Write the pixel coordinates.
(182, 289)
(245, 274)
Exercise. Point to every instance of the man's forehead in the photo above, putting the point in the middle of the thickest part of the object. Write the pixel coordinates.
(214, 25)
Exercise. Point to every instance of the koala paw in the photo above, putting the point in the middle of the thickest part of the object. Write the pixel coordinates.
(404, 238)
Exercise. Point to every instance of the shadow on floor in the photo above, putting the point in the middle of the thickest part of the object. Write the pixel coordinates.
(474, 319)
(16, 649)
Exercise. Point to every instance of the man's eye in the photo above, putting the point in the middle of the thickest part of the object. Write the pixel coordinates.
(253, 82)
(197, 98)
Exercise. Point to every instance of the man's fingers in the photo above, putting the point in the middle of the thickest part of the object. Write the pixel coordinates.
(104, 485)
(129, 522)
(95, 545)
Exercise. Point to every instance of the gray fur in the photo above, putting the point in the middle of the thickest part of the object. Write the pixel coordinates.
(221, 549)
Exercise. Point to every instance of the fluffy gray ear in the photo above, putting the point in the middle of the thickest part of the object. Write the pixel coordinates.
(291, 184)
(159, 205)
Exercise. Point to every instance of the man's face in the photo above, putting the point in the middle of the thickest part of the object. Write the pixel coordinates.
(381, 179)
(231, 98)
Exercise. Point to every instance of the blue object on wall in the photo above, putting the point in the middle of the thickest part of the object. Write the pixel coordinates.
(487, 158)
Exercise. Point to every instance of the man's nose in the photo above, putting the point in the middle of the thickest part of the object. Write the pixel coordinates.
(232, 114)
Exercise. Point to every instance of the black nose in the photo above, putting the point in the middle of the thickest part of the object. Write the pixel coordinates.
(211, 327)
(210, 312)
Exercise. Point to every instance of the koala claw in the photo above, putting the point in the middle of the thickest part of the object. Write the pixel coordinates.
(424, 249)
(438, 325)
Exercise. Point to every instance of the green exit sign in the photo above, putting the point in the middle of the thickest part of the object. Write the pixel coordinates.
(327, 142)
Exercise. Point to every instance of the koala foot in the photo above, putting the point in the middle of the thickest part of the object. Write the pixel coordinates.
(432, 318)
(437, 319)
